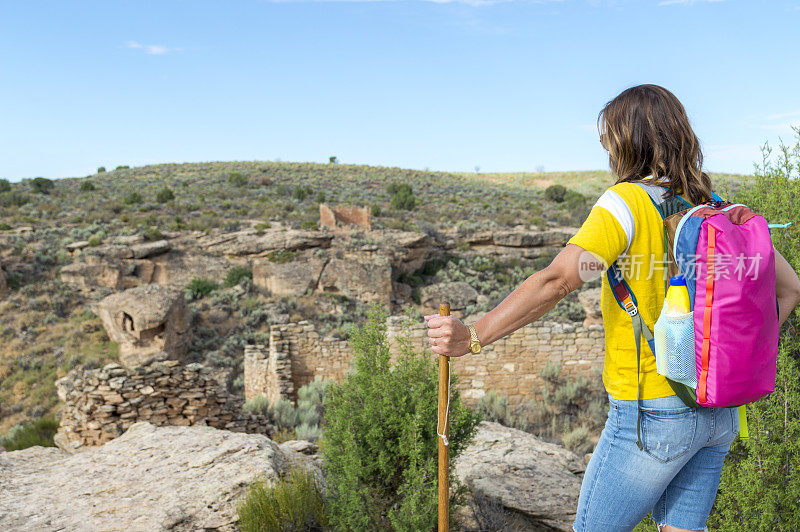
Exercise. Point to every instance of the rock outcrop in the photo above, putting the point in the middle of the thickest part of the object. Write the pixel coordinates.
(150, 322)
(95, 271)
(292, 278)
(359, 275)
(590, 300)
(258, 243)
(534, 484)
(150, 478)
(458, 293)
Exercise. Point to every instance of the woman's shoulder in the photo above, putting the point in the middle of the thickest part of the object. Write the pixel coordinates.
(633, 194)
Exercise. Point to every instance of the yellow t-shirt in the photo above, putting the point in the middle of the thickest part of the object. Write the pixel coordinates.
(624, 225)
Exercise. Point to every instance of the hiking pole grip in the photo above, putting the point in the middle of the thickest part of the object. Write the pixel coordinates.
(444, 450)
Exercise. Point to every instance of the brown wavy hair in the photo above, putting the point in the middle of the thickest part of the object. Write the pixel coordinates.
(646, 132)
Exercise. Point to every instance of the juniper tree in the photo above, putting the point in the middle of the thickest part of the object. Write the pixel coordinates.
(380, 444)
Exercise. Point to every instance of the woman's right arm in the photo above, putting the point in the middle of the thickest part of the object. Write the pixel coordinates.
(787, 287)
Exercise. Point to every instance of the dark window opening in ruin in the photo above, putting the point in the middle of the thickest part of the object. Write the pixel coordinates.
(149, 334)
(127, 322)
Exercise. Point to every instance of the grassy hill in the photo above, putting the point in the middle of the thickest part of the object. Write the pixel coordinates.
(46, 329)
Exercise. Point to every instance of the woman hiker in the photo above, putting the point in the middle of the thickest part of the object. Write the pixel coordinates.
(649, 139)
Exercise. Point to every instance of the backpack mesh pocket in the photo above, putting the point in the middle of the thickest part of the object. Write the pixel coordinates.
(675, 350)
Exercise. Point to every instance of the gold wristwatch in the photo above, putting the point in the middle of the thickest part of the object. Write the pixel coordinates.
(474, 343)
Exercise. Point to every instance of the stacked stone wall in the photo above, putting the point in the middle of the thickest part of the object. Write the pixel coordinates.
(511, 366)
(101, 404)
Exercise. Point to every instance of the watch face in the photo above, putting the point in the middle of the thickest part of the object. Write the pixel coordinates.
(475, 348)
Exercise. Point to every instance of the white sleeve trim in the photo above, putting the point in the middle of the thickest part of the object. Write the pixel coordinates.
(613, 203)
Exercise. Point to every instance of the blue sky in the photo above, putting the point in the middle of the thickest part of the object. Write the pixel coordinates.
(451, 85)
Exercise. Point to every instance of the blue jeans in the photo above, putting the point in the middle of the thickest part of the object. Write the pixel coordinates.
(676, 475)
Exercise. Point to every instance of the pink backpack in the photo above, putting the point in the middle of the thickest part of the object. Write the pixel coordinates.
(725, 253)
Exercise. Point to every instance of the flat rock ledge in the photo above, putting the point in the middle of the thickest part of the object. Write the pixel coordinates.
(518, 482)
(150, 478)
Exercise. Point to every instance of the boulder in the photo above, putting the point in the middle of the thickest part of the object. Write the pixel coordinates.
(458, 293)
(533, 483)
(148, 249)
(149, 478)
(407, 250)
(590, 300)
(148, 321)
(95, 272)
(291, 278)
(75, 246)
(359, 275)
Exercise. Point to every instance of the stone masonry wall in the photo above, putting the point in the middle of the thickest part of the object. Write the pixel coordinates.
(511, 366)
(101, 404)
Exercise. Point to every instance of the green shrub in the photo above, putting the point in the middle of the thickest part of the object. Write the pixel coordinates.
(95, 240)
(42, 185)
(375, 209)
(304, 431)
(200, 287)
(257, 405)
(760, 483)
(101, 169)
(494, 407)
(236, 179)
(86, 186)
(309, 224)
(13, 198)
(402, 195)
(537, 221)
(577, 440)
(39, 432)
(403, 200)
(5, 227)
(152, 234)
(281, 255)
(294, 502)
(398, 187)
(333, 159)
(179, 224)
(261, 226)
(380, 444)
(284, 414)
(300, 192)
(5, 186)
(236, 274)
(311, 409)
(320, 196)
(122, 167)
(164, 195)
(574, 200)
(133, 198)
(555, 193)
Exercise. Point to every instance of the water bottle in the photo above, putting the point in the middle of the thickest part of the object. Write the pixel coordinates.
(674, 335)
(677, 300)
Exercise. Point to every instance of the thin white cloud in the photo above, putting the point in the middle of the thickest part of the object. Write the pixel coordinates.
(781, 122)
(686, 2)
(782, 116)
(152, 49)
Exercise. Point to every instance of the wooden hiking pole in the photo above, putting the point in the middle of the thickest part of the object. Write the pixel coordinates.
(443, 434)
